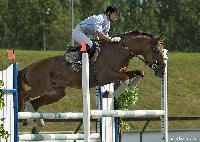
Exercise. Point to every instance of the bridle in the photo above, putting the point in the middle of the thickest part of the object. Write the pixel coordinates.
(153, 51)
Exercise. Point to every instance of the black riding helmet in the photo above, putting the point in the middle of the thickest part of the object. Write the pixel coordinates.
(111, 9)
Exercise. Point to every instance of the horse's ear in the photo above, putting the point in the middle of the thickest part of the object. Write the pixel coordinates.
(155, 39)
(161, 39)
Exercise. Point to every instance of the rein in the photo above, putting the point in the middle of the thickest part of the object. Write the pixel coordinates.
(155, 61)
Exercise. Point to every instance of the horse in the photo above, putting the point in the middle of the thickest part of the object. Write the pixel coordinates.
(46, 80)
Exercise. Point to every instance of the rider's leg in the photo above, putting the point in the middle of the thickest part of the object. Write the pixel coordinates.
(78, 36)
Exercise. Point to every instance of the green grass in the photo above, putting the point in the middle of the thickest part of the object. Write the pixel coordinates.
(183, 89)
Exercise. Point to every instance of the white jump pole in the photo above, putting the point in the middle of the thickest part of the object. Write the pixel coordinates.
(55, 137)
(164, 106)
(7, 113)
(86, 93)
(107, 123)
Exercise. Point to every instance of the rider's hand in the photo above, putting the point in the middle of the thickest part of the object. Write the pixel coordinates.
(115, 39)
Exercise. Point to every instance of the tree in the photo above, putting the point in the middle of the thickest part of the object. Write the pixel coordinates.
(29, 28)
(25, 24)
(3, 23)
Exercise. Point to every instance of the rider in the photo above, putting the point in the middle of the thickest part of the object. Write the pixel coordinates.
(98, 25)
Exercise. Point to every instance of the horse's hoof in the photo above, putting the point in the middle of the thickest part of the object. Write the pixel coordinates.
(35, 130)
(25, 123)
(40, 123)
(140, 73)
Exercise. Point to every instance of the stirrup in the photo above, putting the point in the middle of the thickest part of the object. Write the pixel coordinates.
(78, 62)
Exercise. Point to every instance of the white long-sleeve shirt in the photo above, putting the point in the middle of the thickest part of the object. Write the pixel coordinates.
(95, 23)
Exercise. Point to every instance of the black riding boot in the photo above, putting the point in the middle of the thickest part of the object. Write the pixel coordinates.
(90, 51)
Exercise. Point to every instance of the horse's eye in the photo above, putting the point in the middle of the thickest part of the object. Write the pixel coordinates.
(155, 62)
(154, 66)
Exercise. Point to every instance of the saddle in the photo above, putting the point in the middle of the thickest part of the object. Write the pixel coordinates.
(73, 54)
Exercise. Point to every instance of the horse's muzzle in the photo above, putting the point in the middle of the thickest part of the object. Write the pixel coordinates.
(159, 71)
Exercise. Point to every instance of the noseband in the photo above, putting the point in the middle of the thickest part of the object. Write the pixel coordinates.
(153, 51)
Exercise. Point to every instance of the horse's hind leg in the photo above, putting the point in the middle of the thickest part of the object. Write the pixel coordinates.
(52, 95)
(49, 97)
(30, 108)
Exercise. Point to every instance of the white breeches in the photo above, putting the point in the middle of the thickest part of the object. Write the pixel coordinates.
(78, 36)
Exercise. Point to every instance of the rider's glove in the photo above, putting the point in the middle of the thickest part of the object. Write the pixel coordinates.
(115, 39)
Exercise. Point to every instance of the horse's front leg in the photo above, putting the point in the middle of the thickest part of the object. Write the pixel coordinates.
(107, 77)
(134, 73)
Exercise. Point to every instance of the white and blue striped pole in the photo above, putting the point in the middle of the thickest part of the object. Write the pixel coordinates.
(15, 97)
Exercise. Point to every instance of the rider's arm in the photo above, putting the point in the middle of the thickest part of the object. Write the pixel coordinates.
(101, 35)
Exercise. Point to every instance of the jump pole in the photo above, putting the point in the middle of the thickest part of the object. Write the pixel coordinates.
(86, 93)
(164, 102)
(106, 126)
(10, 111)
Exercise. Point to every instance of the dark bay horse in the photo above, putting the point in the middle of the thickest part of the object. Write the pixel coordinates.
(48, 78)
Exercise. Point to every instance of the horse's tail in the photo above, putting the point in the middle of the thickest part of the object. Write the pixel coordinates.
(22, 88)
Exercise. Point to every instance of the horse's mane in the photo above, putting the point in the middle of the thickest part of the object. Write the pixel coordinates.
(135, 33)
